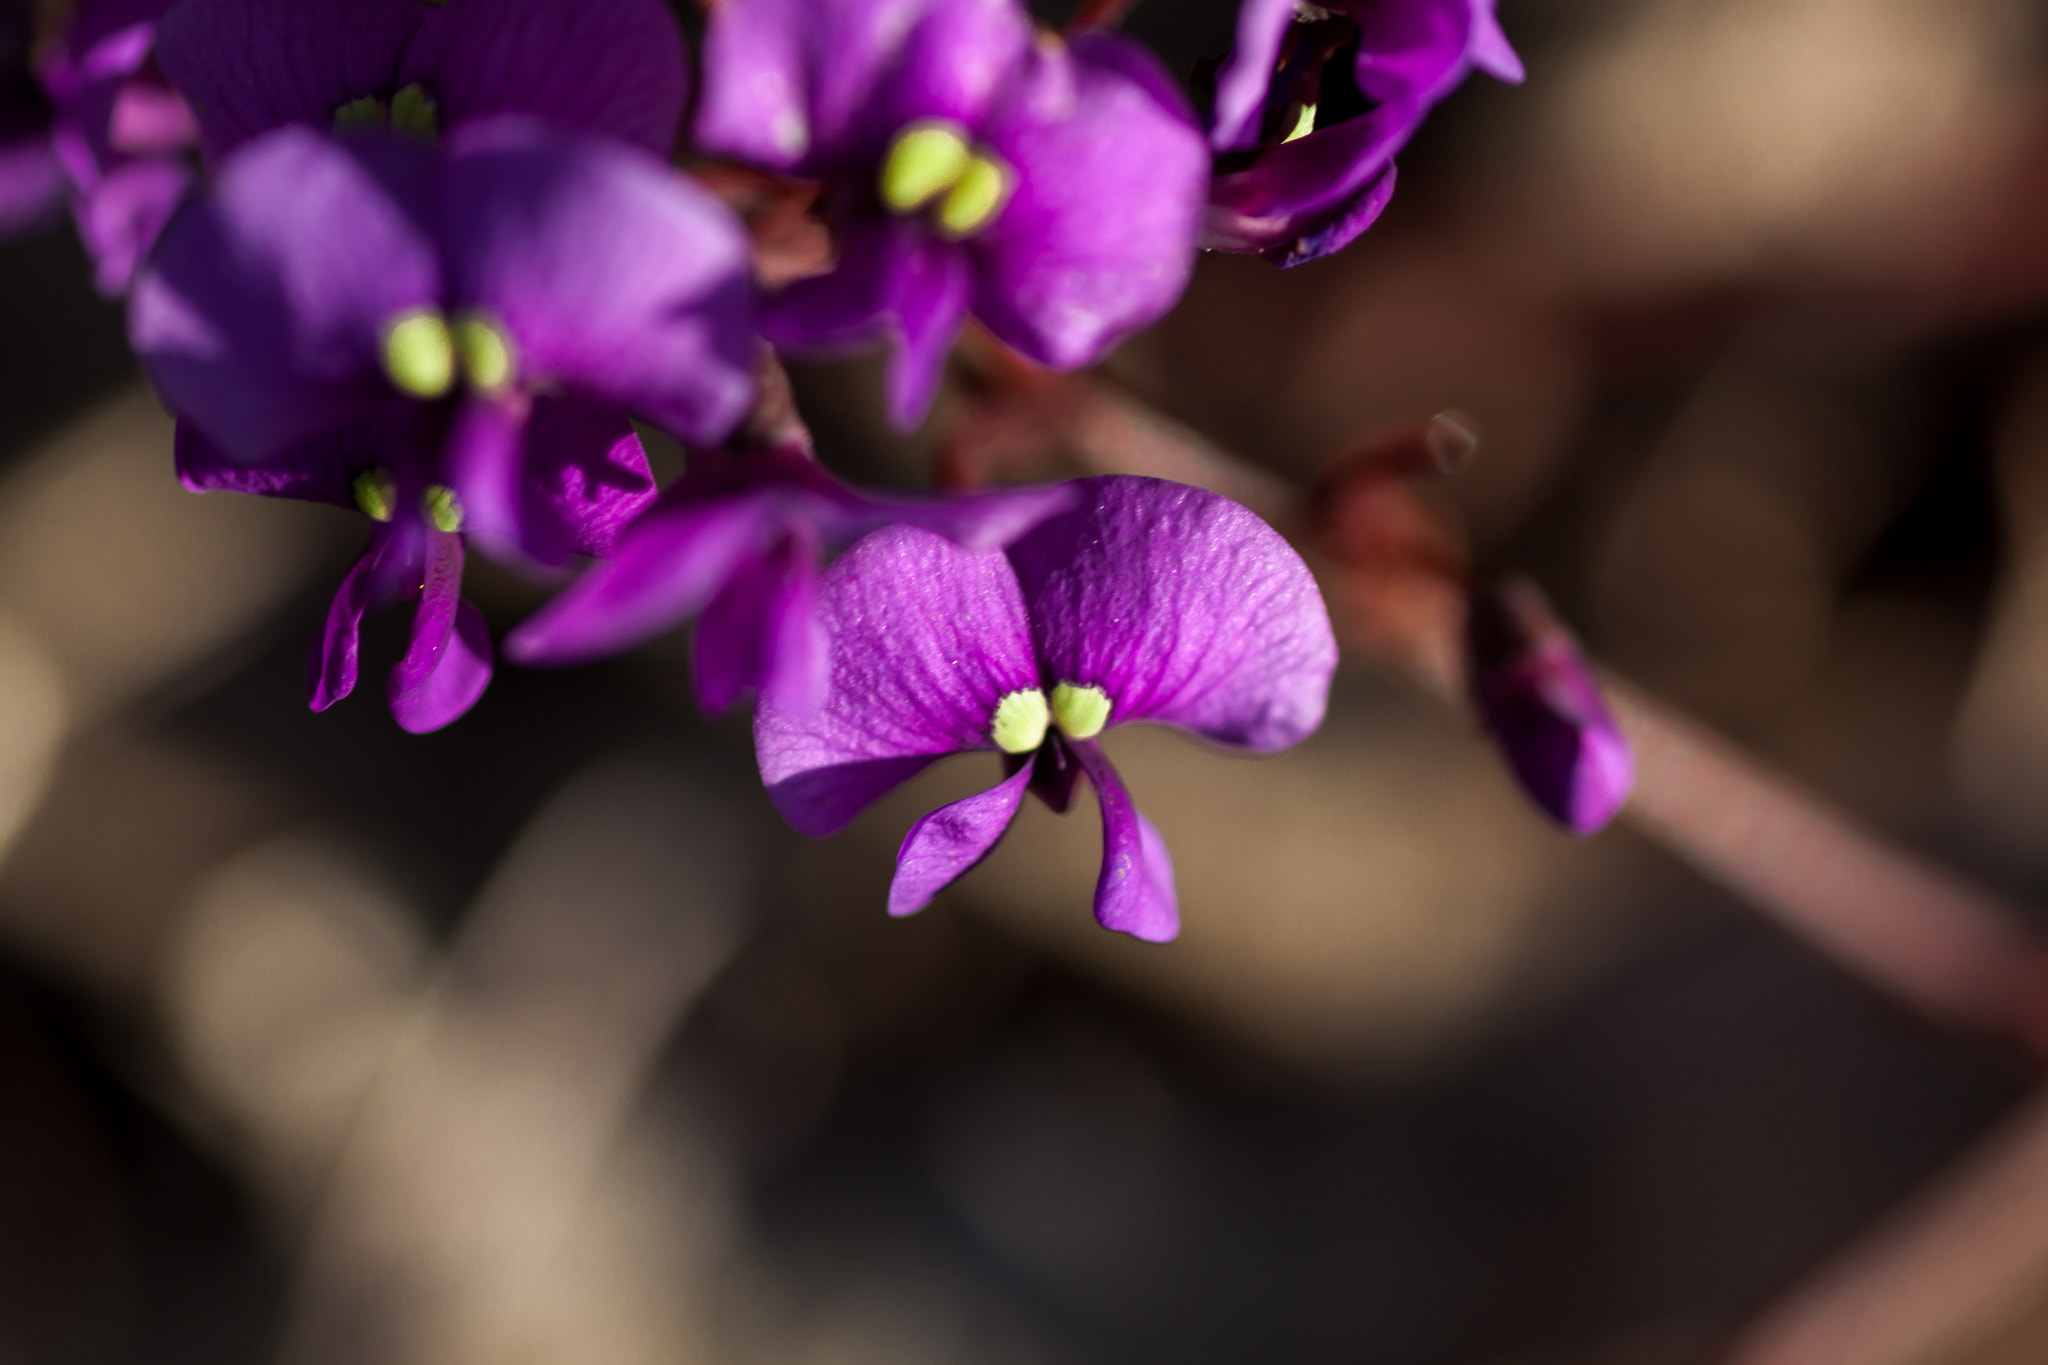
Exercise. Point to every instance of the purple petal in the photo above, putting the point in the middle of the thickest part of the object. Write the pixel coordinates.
(946, 843)
(926, 639)
(321, 470)
(850, 303)
(331, 674)
(611, 274)
(616, 69)
(259, 315)
(585, 472)
(761, 633)
(249, 66)
(1184, 608)
(485, 462)
(1134, 893)
(1248, 72)
(930, 304)
(1099, 237)
(1301, 187)
(1538, 697)
(1420, 52)
(666, 568)
(1492, 53)
(31, 184)
(120, 219)
(447, 665)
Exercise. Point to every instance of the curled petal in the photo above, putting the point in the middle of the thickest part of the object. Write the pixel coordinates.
(447, 665)
(927, 638)
(1241, 84)
(761, 633)
(1184, 608)
(331, 672)
(1134, 894)
(942, 846)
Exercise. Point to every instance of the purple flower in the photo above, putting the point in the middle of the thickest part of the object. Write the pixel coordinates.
(736, 542)
(1538, 697)
(1150, 601)
(422, 66)
(1052, 189)
(120, 133)
(1305, 157)
(449, 339)
(31, 182)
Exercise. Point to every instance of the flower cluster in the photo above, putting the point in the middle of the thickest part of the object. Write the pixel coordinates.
(433, 260)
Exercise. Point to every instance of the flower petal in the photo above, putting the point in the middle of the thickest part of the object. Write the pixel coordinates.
(942, 846)
(1134, 894)
(761, 633)
(1099, 235)
(260, 314)
(926, 639)
(616, 69)
(331, 672)
(248, 66)
(930, 304)
(317, 471)
(1184, 607)
(447, 665)
(1300, 187)
(1247, 74)
(1421, 51)
(120, 219)
(584, 471)
(611, 274)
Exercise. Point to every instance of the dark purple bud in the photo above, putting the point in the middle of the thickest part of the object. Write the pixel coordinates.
(1537, 695)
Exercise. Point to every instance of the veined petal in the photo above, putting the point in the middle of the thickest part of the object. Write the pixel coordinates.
(259, 316)
(1099, 235)
(610, 273)
(584, 471)
(1134, 893)
(616, 69)
(927, 638)
(1184, 608)
(942, 846)
(249, 66)
(447, 665)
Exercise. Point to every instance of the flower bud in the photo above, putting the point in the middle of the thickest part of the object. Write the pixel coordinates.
(1536, 694)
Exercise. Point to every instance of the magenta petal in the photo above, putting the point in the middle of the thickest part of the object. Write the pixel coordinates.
(1242, 84)
(946, 843)
(259, 316)
(761, 633)
(484, 467)
(248, 66)
(612, 274)
(1184, 607)
(31, 183)
(120, 219)
(448, 663)
(318, 471)
(331, 674)
(584, 473)
(926, 639)
(850, 303)
(1099, 237)
(616, 68)
(1134, 894)
(931, 302)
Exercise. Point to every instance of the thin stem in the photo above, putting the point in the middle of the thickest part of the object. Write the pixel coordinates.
(1095, 13)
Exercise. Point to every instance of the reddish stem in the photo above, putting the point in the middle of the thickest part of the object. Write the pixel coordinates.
(1095, 13)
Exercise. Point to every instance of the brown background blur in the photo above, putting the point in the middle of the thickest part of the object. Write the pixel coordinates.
(542, 1040)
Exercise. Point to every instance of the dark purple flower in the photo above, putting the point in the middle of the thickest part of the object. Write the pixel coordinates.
(120, 133)
(449, 339)
(1053, 189)
(615, 68)
(1150, 601)
(1305, 152)
(31, 183)
(1537, 695)
(736, 542)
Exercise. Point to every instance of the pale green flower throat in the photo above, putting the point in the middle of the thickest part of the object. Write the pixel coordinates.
(932, 166)
(1022, 718)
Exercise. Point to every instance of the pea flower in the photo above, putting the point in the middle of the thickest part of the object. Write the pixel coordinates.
(449, 339)
(1306, 156)
(1148, 601)
(736, 543)
(616, 68)
(1053, 189)
(120, 134)
(1538, 697)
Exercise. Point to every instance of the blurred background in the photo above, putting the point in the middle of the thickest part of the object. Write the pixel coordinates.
(541, 1039)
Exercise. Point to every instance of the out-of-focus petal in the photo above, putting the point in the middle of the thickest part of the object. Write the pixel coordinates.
(616, 68)
(447, 665)
(1420, 51)
(318, 471)
(1184, 608)
(248, 66)
(1134, 894)
(930, 304)
(927, 638)
(260, 314)
(584, 471)
(762, 634)
(1099, 236)
(850, 303)
(31, 184)
(610, 273)
(331, 672)
(119, 220)
(1242, 83)
(942, 846)
(1491, 51)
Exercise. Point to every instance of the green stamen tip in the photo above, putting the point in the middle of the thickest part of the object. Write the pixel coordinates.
(375, 493)
(486, 352)
(367, 112)
(442, 507)
(413, 111)
(1019, 724)
(1080, 712)
(924, 162)
(975, 199)
(419, 356)
(1304, 124)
